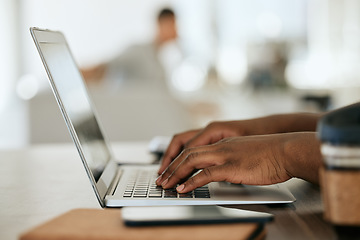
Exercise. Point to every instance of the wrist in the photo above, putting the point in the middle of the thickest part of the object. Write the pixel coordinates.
(302, 157)
(297, 122)
(260, 126)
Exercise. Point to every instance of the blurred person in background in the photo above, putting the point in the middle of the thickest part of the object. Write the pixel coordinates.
(142, 62)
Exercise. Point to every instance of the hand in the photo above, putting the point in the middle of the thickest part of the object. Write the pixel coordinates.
(248, 160)
(212, 133)
(253, 160)
(219, 130)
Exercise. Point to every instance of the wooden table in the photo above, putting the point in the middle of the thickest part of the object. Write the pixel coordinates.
(302, 219)
(41, 182)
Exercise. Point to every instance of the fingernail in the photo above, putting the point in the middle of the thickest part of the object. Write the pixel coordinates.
(158, 180)
(180, 188)
(165, 182)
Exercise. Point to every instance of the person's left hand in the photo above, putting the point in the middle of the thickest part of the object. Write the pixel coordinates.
(253, 160)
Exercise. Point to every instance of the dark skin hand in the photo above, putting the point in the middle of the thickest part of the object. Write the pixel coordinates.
(217, 131)
(253, 160)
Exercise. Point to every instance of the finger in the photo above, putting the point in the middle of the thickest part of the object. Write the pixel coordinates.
(173, 165)
(204, 137)
(175, 147)
(207, 175)
(212, 133)
(198, 159)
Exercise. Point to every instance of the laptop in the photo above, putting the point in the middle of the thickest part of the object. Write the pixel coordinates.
(116, 184)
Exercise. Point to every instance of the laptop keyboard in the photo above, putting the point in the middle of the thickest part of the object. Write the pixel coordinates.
(141, 184)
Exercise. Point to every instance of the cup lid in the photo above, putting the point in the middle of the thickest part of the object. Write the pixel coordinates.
(341, 126)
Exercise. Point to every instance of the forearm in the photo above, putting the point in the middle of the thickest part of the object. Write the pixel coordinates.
(284, 123)
(301, 155)
(94, 74)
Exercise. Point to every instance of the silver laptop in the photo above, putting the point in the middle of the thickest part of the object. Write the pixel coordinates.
(114, 184)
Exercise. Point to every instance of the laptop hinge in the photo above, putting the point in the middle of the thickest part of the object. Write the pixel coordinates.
(114, 183)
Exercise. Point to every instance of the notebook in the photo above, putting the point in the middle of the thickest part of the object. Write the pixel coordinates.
(95, 224)
(116, 184)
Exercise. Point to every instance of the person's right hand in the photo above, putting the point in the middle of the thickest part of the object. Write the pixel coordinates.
(212, 133)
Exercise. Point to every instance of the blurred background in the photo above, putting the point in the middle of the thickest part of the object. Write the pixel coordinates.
(224, 60)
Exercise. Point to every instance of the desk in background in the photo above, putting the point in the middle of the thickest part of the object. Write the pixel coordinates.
(44, 181)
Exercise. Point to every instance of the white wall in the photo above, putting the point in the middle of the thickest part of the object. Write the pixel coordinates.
(12, 128)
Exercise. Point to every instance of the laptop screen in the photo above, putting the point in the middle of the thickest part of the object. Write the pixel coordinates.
(73, 94)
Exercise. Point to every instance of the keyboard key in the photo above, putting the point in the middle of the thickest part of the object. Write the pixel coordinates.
(155, 192)
(158, 195)
(185, 195)
(170, 194)
(202, 195)
(140, 193)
